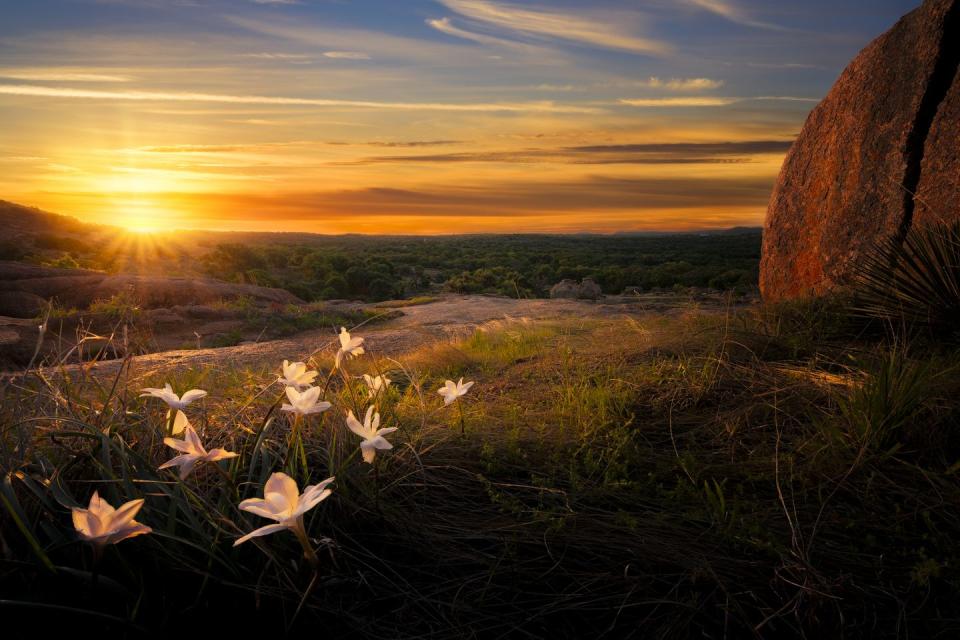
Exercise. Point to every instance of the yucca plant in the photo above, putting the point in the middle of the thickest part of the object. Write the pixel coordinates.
(916, 281)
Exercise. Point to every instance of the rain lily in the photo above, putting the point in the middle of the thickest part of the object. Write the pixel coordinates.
(295, 374)
(375, 385)
(451, 391)
(372, 436)
(349, 347)
(192, 452)
(283, 502)
(306, 402)
(174, 401)
(180, 423)
(101, 524)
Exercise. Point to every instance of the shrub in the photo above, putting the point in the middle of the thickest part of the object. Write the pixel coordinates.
(916, 281)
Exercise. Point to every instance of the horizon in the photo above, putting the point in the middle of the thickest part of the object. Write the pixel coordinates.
(162, 232)
(437, 117)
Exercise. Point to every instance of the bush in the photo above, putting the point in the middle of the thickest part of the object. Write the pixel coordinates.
(916, 281)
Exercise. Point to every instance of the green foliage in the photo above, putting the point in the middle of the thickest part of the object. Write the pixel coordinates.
(121, 305)
(380, 268)
(891, 396)
(64, 261)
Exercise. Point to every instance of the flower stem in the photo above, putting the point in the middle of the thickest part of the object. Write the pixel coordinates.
(463, 424)
(308, 553)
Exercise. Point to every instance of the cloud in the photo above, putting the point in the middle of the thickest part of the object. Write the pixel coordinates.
(377, 44)
(640, 154)
(731, 12)
(60, 75)
(445, 26)
(262, 146)
(164, 96)
(499, 200)
(346, 55)
(679, 102)
(552, 24)
(276, 56)
(704, 101)
(713, 148)
(413, 143)
(683, 84)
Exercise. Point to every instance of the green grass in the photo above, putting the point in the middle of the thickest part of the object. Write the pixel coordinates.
(692, 476)
(409, 302)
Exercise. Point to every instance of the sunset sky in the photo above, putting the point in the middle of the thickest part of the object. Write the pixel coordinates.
(414, 116)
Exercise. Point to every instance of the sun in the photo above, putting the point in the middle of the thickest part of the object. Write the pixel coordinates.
(135, 199)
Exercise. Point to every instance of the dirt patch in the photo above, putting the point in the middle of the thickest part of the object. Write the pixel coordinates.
(448, 318)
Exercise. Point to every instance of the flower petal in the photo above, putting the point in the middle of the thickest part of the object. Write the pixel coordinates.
(262, 531)
(178, 445)
(135, 529)
(176, 462)
(354, 425)
(193, 394)
(310, 501)
(180, 422)
(125, 514)
(191, 438)
(259, 507)
(283, 484)
(220, 454)
(293, 395)
(380, 443)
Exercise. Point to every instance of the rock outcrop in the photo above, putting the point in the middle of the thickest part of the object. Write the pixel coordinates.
(586, 290)
(876, 156)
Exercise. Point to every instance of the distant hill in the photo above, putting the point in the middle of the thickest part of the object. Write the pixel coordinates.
(17, 219)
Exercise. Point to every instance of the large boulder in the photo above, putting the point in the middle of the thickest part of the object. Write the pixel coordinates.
(876, 156)
(586, 290)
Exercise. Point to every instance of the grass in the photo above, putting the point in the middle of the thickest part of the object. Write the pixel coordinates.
(409, 302)
(711, 475)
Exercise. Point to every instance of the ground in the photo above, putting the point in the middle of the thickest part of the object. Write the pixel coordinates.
(442, 319)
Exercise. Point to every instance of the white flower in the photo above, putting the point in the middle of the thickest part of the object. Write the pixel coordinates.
(375, 385)
(172, 399)
(349, 347)
(101, 524)
(295, 374)
(451, 391)
(283, 502)
(305, 403)
(372, 436)
(193, 452)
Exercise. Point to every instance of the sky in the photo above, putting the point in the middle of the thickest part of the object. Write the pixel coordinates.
(414, 116)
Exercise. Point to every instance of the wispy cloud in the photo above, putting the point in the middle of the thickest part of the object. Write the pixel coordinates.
(264, 146)
(639, 154)
(162, 96)
(684, 84)
(444, 25)
(506, 199)
(61, 75)
(542, 23)
(733, 13)
(679, 102)
(706, 101)
(276, 56)
(346, 55)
